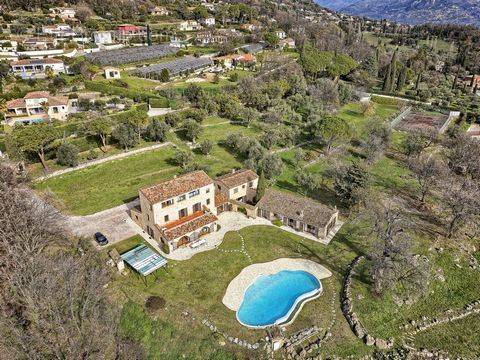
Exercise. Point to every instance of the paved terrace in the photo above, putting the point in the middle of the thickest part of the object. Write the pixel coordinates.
(117, 225)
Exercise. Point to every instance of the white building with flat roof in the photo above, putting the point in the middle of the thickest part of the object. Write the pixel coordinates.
(102, 37)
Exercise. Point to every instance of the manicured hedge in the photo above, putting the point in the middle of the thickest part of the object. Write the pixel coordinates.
(106, 88)
(126, 115)
(387, 101)
(159, 103)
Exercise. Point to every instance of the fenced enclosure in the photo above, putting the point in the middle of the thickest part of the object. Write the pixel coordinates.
(131, 54)
(183, 66)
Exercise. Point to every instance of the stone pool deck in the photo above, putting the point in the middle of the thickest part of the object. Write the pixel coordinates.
(236, 289)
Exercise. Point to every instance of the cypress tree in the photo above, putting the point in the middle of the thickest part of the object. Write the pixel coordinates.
(419, 77)
(262, 186)
(402, 78)
(393, 75)
(388, 78)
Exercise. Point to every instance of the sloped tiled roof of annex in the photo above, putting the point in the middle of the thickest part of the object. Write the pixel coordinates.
(181, 227)
(36, 61)
(37, 95)
(296, 207)
(16, 103)
(176, 186)
(57, 100)
(237, 178)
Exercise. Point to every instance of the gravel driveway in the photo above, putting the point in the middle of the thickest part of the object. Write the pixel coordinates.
(114, 223)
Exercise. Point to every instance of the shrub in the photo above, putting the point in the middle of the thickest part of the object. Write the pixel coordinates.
(387, 101)
(165, 248)
(206, 147)
(277, 222)
(173, 119)
(157, 130)
(157, 103)
(155, 303)
(67, 155)
(92, 154)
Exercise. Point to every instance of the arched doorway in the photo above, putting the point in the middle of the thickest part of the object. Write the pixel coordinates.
(205, 230)
(184, 240)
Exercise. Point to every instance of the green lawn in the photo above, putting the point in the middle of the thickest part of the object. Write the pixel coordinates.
(197, 286)
(110, 184)
(353, 114)
(384, 318)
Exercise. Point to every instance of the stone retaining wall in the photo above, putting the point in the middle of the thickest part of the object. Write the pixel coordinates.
(231, 339)
(451, 315)
(352, 318)
(312, 332)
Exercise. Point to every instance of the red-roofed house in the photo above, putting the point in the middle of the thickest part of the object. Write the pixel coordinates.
(36, 107)
(179, 211)
(232, 61)
(126, 32)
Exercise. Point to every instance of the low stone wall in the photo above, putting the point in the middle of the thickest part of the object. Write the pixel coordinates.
(309, 333)
(352, 318)
(231, 339)
(450, 316)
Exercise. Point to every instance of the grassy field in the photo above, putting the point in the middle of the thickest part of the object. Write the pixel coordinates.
(110, 184)
(197, 287)
(116, 182)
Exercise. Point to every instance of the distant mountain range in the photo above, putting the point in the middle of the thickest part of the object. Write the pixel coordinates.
(411, 11)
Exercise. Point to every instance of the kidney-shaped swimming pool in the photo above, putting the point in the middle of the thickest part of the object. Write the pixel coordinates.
(274, 299)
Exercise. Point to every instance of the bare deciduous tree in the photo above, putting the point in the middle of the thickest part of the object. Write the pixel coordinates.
(393, 264)
(53, 303)
(461, 203)
(427, 171)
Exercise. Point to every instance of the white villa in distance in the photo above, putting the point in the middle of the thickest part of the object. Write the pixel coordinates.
(210, 21)
(189, 25)
(35, 107)
(37, 68)
(102, 37)
(112, 73)
(59, 30)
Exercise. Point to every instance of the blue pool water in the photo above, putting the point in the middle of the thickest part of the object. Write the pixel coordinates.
(272, 299)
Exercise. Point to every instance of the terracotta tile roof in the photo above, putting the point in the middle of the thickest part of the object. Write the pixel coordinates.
(16, 103)
(236, 178)
(178, 228)
(57, 100)
(36, 62)
(37, 95)
(296, 207)
(220, 199)
(176, 186)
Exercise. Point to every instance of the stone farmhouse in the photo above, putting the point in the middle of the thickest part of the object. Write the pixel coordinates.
(35, 107)
(299, 213)
(179, 212)
(236, 189)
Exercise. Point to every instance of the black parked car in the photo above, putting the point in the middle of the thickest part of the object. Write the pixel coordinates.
(101, 239)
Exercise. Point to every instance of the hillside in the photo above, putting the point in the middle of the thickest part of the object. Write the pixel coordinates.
(412, 11)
